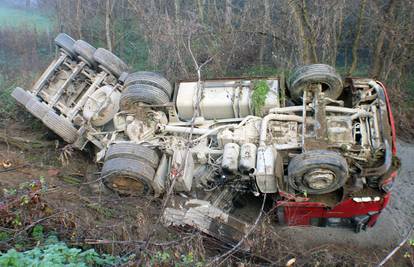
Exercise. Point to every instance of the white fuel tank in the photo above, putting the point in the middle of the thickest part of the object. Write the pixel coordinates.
(247, 162)
(265, 170)
(230, 160)
(223, 99)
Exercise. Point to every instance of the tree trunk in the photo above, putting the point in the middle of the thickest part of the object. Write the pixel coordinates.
(78, 18)
(177, 9)
(227, 14)
(28, 2)
(108, 25)
(304, 48)
(200, 6)
(60, 19)
(355, 45)
(376, 67)
(337, 36)
(265, 28)
(313, 57)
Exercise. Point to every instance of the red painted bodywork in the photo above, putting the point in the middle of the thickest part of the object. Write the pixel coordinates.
(301, 211)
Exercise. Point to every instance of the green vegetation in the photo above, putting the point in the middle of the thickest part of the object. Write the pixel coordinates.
(261, 71)
(13, 17)
(7, 103)
(55, 253)
(37, 245)
(259, 96)
(169, 258)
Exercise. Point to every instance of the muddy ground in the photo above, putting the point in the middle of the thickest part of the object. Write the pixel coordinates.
(87, 214)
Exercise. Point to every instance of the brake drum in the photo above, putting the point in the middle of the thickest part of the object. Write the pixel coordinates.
(102, 105)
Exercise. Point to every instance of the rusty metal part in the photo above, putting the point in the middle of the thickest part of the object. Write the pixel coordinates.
(127, 185)
(378, 171)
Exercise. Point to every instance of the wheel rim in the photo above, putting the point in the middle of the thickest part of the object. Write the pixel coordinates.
(319, 179)
(127, 185)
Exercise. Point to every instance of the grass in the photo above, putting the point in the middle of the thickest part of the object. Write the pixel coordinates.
(13, 17)
(7, 103)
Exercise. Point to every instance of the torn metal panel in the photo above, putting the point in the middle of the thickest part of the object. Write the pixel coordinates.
(208, 219)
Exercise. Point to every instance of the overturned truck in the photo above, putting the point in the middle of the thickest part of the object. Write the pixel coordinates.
(322, 147)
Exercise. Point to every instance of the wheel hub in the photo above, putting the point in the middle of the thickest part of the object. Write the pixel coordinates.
(127, 185)
(319, 178)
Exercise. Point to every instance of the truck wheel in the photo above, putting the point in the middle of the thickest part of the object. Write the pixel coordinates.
(317, 172)
(133, 151)
(37, 108)
(110, 62)
(60, 126)
(145, 93)
(150, 78)
(86, 51)
(21, 96)
(128, 176)
(66, 43)
(324, 74)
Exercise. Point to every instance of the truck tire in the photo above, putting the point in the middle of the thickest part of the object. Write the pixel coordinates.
(21, 96)
(86, 51)
(324, 74)
(317, 172)
(150, 78)
(37, 108)
(145, 93)
(60, 126)
(133, 151)
(66, 43)
(110, 62)
(128, 176)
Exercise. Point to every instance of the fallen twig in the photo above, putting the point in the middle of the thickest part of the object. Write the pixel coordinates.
(14, 168)
(397, 247)
(142, 242)
(21, 143)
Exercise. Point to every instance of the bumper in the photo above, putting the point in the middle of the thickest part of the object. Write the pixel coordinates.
(356, 213)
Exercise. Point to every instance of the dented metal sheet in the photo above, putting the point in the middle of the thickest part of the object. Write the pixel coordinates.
(208, 219)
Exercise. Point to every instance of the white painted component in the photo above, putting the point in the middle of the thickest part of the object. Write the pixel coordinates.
(230, 157)
(100, 155)
(136, 130)
(183, 165)
(222, 99)
(340, 130)
(283, 133)
(249, 133)
(102, 105)
(180, 129)
(265, 170)
(248, 158)
(280, 117)
(158, 183)
(120, 122)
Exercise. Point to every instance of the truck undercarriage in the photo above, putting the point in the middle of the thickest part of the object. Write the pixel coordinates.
(322, 148)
